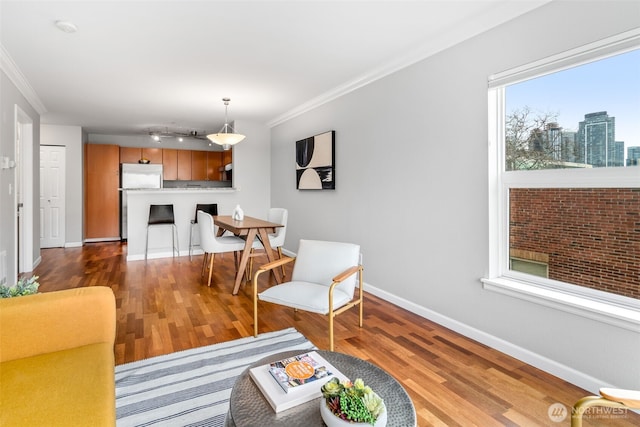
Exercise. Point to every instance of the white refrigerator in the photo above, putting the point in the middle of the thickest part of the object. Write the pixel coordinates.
(135, 176)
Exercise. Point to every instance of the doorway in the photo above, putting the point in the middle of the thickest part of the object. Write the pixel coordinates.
(23, 195)
(52, 196)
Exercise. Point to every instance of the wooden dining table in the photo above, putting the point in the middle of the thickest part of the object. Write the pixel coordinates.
(248, 229)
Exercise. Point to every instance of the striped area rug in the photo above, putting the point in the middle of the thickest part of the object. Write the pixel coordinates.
(192, 387)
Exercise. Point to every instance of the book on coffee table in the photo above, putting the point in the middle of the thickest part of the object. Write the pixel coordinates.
(298, 371)
(270, 379)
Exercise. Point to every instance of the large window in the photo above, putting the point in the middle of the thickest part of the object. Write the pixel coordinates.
(565, 174)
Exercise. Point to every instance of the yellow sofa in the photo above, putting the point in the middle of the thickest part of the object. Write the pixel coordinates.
(56, 358)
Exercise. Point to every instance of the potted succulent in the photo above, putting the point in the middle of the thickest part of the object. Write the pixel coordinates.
(23, 287)
(351, 404)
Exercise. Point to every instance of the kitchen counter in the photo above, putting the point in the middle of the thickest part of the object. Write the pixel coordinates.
(198, 190)
(184, 202)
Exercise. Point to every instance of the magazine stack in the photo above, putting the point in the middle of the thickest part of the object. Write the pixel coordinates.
(295, 380)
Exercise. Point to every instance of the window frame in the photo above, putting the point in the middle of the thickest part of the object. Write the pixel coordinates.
(598, 305)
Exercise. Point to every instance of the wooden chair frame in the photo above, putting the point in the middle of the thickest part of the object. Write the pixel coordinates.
(210, 257)
(335, 282)
(610, 398)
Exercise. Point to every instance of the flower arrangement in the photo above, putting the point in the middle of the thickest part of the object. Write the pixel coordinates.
(352, 401)
(23, 287)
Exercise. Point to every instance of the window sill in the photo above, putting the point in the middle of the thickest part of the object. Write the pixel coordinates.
(621, 316)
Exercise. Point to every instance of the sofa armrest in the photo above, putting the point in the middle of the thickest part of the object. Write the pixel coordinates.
(54, 321)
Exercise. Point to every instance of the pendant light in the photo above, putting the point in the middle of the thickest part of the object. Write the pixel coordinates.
(226, 135)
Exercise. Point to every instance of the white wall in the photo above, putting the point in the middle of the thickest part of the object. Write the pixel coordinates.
(70, 137)
(10, 96)
(412, 189)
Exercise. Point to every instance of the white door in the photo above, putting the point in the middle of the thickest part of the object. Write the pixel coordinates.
(52, 196)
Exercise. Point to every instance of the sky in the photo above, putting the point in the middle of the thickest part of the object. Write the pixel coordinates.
(611, 84)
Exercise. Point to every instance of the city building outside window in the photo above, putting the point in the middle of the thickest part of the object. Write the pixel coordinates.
(564, 134)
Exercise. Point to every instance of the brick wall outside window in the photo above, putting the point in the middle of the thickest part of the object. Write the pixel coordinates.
(591, 235)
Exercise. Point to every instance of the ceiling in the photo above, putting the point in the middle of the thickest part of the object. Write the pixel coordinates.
(136, 65)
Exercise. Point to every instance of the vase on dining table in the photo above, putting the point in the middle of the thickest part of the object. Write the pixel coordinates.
(238, 213)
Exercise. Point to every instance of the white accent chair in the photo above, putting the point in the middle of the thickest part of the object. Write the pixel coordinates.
(276, 240)
(323, 281)
(211, 244)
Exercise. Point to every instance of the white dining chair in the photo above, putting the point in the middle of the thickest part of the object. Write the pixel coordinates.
(211, 209)
(276, 240)
(323, 281)
(211, 244)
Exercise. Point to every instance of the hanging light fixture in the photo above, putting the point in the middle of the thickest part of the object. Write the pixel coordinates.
(226, 136)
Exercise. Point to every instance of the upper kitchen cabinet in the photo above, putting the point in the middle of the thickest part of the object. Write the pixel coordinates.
(225, 172)
(154, 155)
(102, 203)
(198, 165)
(170, 164)
(184, 165)
(227, 157)
(214, 162)
(130, 154)
(134, 154)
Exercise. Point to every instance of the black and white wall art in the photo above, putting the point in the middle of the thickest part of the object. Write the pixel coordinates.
(315, 162)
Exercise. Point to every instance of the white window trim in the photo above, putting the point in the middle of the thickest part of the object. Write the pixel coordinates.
(601, 306)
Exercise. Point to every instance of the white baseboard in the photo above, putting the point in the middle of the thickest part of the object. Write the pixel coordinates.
(288, 253)
(36, 262)
(166, 254)
(564, 372)
(102, 239)
(73, 245)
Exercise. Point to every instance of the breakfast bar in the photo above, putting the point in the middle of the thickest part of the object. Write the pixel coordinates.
(184, 201)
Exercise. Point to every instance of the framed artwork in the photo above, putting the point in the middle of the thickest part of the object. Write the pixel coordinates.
(315, 162)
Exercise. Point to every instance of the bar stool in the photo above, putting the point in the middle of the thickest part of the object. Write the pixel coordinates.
(162, 215)
(211, 209)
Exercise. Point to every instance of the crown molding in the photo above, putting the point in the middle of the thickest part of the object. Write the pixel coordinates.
(15, 75)
(506, 11)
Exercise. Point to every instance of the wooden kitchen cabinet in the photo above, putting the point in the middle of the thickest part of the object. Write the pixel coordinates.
(198, 165)
(227, 157)
(102, 199)
(184, 165)
(214, 162)
(130, 154)
(153, 154)
(169, 164)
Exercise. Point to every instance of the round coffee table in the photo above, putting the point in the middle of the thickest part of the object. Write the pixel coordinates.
(249, 408)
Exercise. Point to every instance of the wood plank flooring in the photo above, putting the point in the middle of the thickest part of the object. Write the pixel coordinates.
(165, 306)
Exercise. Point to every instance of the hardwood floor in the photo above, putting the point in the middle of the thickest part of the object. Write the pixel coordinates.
(165, 306)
